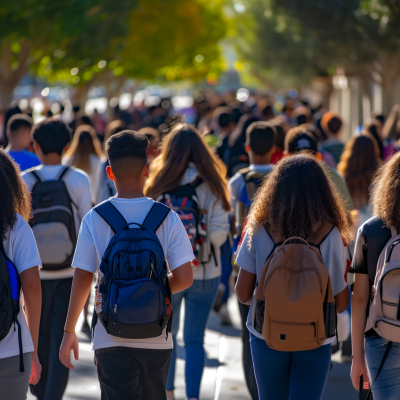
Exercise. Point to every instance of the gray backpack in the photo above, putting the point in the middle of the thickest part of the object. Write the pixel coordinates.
(53, 222)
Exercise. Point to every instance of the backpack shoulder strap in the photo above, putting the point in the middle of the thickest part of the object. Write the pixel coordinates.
(111, 215)
(2, 248)
(36, 175)
(156, 216)
(196, 183)
(244, 171)
(63, 173)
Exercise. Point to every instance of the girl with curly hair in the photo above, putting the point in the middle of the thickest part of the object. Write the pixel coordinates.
(19, 363)
(295, 199)
(372, 237)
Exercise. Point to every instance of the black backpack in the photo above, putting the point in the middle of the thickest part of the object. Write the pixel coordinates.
(53, 222)
(10, 289)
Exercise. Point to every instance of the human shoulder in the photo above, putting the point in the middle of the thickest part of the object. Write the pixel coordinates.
(374, 227)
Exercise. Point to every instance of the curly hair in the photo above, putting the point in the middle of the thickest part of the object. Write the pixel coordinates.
(298, 199)
(14, 195)
(385, 193)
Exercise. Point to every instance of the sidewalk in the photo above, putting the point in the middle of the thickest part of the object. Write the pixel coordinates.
(223, 376)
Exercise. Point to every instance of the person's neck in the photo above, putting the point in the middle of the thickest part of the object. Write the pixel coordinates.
(129, 190)
(50, 159)
(256, 159)
(16, 147)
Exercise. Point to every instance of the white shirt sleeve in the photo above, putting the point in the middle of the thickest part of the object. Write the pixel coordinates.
(25, 253)
(85, 256)
(179, 248)
(246, 258)
(84, 198)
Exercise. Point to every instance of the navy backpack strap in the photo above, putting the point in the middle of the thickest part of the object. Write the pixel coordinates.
(63, 173)
(36, 175)
(111, 215)
(156, 216)
(196, 183)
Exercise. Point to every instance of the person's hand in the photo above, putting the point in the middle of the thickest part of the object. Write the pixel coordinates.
(70, 342)
(359, 368)
(36, 369)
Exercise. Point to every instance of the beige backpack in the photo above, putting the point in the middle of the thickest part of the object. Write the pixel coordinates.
(384, 312)
(294, 307)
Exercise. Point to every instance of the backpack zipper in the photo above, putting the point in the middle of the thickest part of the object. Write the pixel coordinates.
(385, 322)
(389, 304)
(135, 252)
(133, 240)
(298, 324)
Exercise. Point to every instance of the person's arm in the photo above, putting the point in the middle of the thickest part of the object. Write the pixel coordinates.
(359, 303)
(342, 300)
(79, 293)
(31, 289)
(181, 278)
(245, 285)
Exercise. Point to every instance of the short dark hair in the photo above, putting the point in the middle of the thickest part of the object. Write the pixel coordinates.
(300, 139)
(224, 116)
(18, 121)
(261, 137)
(127, 153)
(52, 135)
(334, 124)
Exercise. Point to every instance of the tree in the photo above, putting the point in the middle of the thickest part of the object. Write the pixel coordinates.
(32, 30)
(313, 37)
(170, 40)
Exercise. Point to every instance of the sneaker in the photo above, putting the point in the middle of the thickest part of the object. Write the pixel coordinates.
(224, 314)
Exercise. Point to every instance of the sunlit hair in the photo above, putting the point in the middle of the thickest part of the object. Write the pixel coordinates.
(391, 129)
(84, 143)
(358, 164)
(183, 145)
(385, 194)
(14, 195)
(297, 199)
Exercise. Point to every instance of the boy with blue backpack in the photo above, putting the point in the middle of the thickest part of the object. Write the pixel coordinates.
(60, 199)
(142, 254)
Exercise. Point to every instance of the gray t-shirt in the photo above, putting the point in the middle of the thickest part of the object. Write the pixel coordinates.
(252, 260)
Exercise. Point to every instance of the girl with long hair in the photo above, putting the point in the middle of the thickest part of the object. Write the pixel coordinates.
(295, 199)
(19, 363)
(368, 347)
(184, 160)
(85, 151)
(358, 165)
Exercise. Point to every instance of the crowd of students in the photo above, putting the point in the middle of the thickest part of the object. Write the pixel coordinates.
(234, 186)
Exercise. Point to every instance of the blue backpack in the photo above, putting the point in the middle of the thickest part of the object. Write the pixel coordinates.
(133, 297)
(10, 289)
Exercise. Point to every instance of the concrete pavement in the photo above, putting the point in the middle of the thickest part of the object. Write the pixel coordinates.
(223, 376)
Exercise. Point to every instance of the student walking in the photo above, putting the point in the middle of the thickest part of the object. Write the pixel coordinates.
(19, 140)
(260, 145)
(139, 268)
(375, 308)
(61, 198)
(291, 341)
(19, 272)
(85, 151)
(189, 178)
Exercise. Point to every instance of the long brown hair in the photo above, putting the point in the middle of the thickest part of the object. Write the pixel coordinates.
(358, 165)
(183, 145)
(14, 195)
(84, 143)
(385, 193)
(298, 199)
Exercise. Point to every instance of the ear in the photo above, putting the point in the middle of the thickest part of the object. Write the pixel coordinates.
(247, 147)
(36, 147)
(110, 173)
(65, 149)
(146, 170)
(272, 151)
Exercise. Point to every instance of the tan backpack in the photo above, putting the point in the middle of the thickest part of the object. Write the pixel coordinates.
(294, 307)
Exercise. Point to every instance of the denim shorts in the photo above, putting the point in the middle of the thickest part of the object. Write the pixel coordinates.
(387, 386)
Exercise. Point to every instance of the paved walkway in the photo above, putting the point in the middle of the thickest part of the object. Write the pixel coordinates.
(222, 378)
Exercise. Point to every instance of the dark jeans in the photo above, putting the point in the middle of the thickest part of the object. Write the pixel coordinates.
(55, 301)
(246, 354)
(134, 374)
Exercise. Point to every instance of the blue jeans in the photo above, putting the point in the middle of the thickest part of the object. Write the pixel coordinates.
(199, 299)
(387, 386)
(226, 266)
(283, 375)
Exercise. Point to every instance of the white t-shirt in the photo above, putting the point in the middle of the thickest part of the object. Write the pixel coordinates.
(333, 253)
(94, 236)
(20, 248)
(78, 187)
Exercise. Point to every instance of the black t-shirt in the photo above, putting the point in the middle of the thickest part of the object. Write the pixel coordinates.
(372, 237)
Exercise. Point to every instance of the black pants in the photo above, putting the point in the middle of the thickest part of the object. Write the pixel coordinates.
(246, 355)
(55, 301)
(134, 374)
